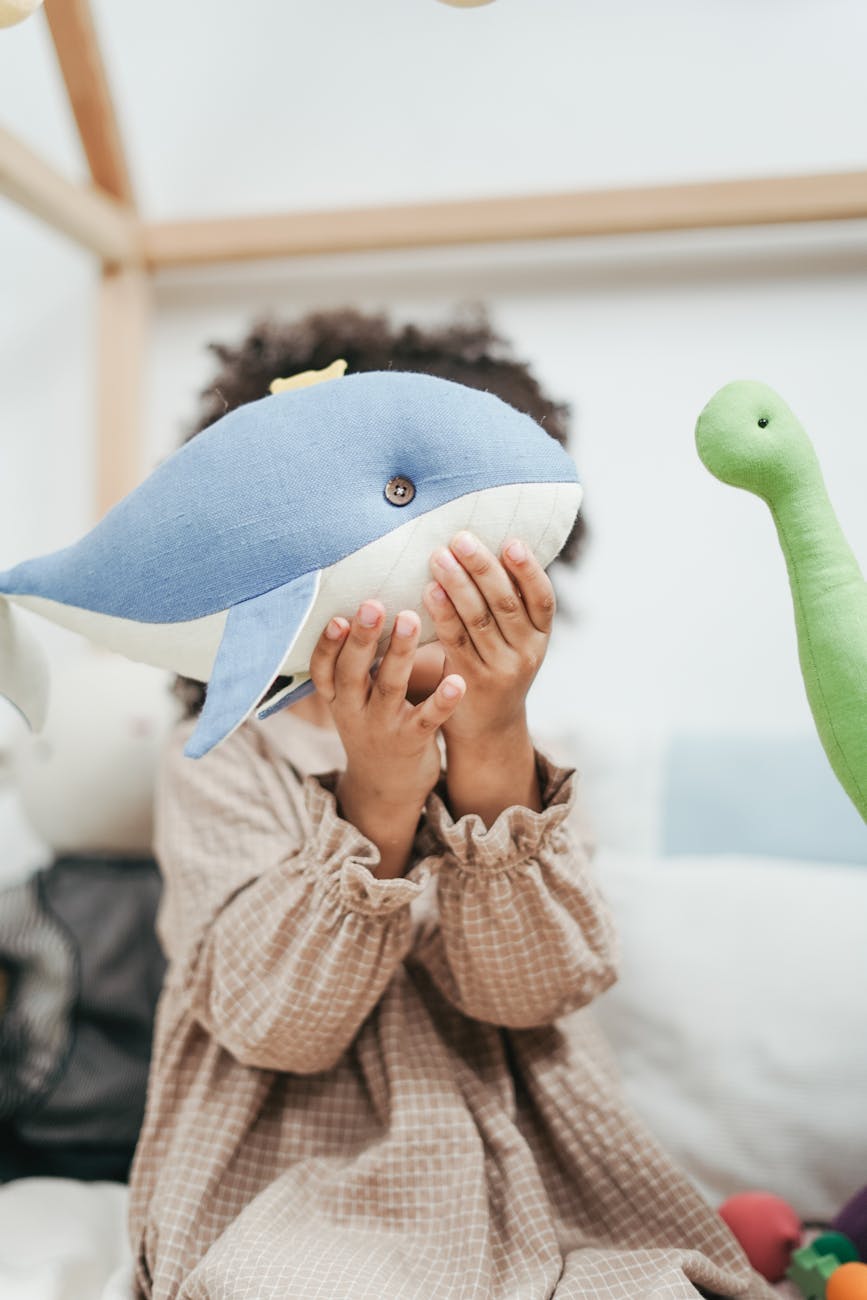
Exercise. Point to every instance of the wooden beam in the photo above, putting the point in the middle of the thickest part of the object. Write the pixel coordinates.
(124, 314)
(834, 197)
(89, 217)
(77, 48)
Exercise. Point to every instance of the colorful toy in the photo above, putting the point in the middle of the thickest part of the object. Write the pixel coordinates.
(852, 1220)
(848, 1282)
(810, 1271)
(836, 1243)
(768, 1229)
(747, 436)
(770, 1233)
(227, 562)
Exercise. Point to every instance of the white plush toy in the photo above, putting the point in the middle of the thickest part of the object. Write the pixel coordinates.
(86, 781)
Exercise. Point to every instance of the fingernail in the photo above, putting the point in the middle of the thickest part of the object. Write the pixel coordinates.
(405, 625)
(446, 560)
(466, 544)
(516, 551)
(334, 631)
(437, 592)
(450, 690)
(368, 615)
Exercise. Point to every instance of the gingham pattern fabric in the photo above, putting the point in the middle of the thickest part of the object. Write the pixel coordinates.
(391, 1089)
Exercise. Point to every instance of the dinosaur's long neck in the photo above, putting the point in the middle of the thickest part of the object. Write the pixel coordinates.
(830, 599)
(822, 567)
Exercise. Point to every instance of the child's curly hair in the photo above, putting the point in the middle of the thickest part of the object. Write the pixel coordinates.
(467, 350)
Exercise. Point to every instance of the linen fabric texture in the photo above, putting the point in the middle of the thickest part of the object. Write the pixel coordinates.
(392, 1088)
(228, 560)
(286, 486)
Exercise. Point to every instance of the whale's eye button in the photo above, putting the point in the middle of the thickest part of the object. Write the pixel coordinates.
(399, 490)
(763, 422)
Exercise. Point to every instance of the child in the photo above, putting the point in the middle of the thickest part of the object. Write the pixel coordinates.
(378, 909)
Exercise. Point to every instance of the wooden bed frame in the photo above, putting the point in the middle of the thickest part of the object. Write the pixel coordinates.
(102, 216)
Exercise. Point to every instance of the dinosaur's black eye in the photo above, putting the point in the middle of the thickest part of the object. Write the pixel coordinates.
(763, 422)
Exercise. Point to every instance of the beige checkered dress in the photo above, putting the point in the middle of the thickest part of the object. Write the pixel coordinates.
(369, 1089)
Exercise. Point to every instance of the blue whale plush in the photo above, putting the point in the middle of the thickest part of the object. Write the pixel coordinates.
(227, 561)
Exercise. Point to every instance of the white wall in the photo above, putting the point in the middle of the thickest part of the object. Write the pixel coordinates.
(682, 600)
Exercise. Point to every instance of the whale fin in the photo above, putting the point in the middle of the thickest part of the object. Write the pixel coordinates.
(23, 668)
(258, 635)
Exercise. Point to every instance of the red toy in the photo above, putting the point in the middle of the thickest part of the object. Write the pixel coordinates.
(771, 1233)
(768, 1229)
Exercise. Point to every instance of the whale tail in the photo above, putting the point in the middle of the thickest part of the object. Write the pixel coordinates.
(24, 675)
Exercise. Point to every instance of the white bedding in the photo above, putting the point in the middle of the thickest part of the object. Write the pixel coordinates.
(64, 1240)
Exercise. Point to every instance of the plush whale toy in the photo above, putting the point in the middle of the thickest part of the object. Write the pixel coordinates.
(227, 561)
(747, 436)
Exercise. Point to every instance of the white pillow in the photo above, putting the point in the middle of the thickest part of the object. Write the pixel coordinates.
(739, 1018)
(650, 789)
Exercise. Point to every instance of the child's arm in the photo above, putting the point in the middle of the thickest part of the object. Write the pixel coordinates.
(281, 937)
(392, 752)
(285, 919)
(524, 935)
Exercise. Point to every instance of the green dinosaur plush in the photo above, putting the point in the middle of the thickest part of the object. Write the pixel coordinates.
(747, 436)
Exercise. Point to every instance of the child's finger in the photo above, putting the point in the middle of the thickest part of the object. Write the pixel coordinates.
(533, 583)
(388, 692)
(472, 618)
(325, 654)
(352, 679)
(440, 706)
(495, 586)
(451, 630)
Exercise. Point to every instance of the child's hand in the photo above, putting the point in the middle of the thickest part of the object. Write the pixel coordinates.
(494, 621)
(391, 750)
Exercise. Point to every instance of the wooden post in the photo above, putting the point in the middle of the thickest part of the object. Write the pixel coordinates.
(78, 53)
(124, 312)
(83, 212)
(124, 293)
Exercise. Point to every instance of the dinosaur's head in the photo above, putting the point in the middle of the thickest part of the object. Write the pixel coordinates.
(747, 436)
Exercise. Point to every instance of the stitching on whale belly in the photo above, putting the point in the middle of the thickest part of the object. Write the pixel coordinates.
(400, 555)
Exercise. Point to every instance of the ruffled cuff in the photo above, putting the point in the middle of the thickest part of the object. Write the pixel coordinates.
(343, 858)
(517, 834)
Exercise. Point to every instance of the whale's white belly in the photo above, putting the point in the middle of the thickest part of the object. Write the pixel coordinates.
(394, 569)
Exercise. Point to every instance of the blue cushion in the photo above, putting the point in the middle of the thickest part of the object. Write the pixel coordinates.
(758, 794)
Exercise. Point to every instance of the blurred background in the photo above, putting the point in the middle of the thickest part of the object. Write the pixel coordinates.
(673, 672)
